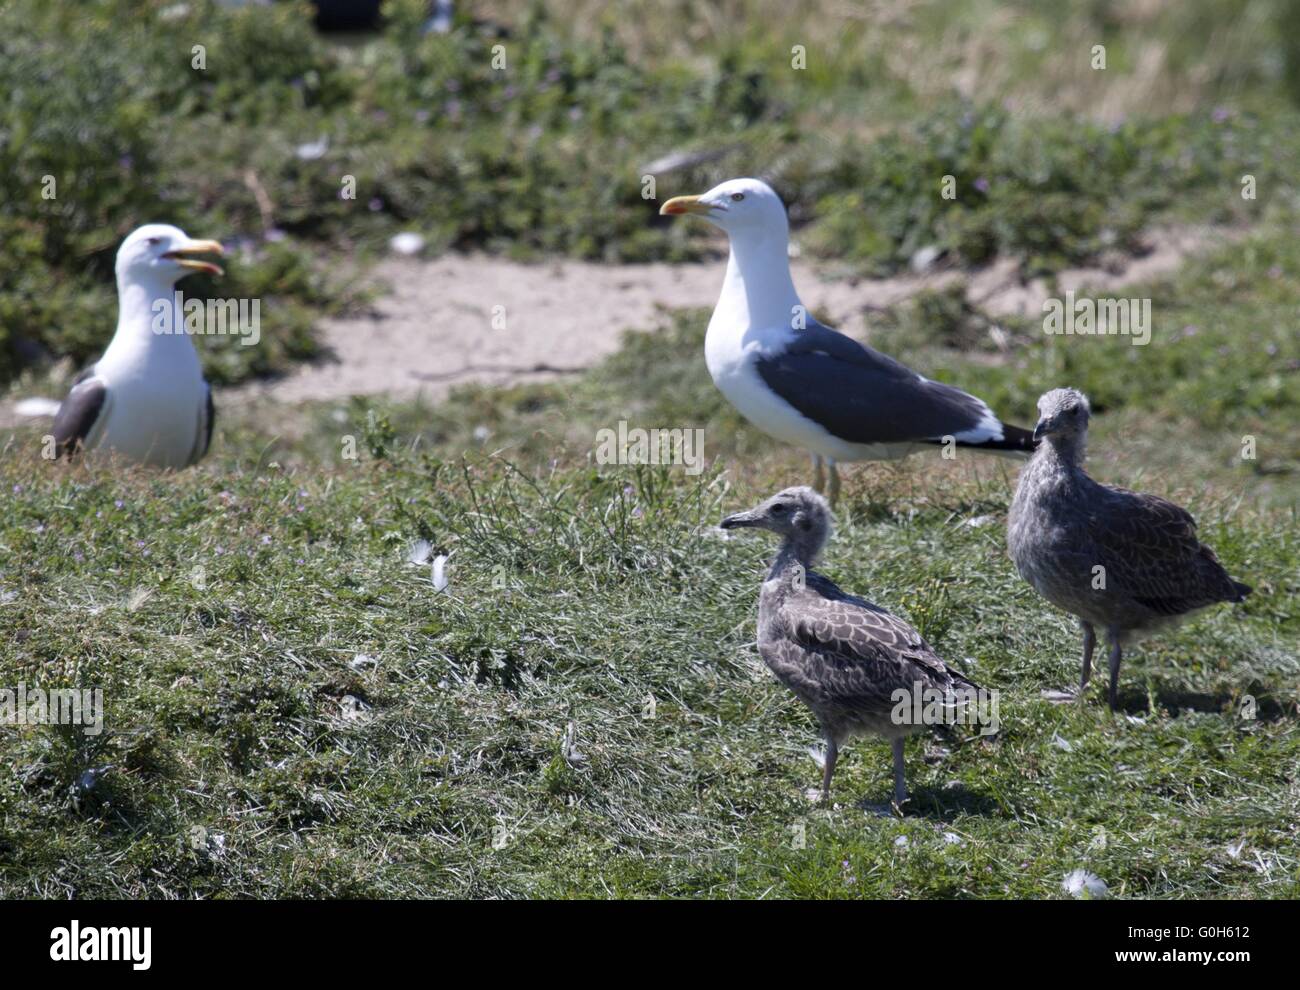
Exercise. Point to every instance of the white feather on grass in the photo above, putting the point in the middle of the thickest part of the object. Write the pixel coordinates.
(438, 572)
(36, 407)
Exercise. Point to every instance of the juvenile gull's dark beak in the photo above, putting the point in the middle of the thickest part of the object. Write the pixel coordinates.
(741, 520)
(1042, 429)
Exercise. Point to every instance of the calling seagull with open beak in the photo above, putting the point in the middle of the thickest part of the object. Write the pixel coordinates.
(146, 400)
(804, 383)
(184, 256)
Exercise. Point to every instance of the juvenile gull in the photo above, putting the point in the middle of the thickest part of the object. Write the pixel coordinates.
(145, 399)
(1124, 561)
(844, 657)
(801, 381)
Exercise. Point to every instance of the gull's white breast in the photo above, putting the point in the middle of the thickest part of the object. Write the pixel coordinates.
(156, 399)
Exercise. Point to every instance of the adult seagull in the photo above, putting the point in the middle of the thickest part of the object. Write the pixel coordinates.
(803, 382)
(146, 399)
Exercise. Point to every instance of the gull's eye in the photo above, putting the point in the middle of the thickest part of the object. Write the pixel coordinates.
(737, 197)
(154, 241)
(778, 509)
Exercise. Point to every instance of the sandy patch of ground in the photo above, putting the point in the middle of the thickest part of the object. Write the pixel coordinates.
(437, 324)
(434, 328)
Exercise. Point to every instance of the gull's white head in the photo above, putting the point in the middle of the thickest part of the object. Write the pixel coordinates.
(741, 207)
(159, 252)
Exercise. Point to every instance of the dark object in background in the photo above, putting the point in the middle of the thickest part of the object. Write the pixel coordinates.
(346, 15)
(355, 15)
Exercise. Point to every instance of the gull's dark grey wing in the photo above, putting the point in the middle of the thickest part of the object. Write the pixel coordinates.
(207, 417)
(863, 396)
(79, 412)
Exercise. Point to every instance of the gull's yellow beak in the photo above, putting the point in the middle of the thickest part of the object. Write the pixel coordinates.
(679, 205)
(181, 254)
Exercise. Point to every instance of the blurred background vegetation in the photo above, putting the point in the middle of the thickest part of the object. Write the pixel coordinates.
(1055, 162)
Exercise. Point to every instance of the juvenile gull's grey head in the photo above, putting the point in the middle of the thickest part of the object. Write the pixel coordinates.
(1064, 413)
(799, 515)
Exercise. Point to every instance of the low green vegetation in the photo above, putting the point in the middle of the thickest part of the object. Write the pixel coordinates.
(533, 136)
(294, 710)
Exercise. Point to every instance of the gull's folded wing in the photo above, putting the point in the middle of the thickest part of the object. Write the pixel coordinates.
(80, 413)
(863, 396)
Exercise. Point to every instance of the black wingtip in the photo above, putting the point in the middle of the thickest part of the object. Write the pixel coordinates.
(1242, 591)
(1014, 438)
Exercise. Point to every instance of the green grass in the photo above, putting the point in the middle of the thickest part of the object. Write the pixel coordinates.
(576, 596)
(578, 593)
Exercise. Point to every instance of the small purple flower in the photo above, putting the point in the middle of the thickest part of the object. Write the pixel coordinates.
(981, 184)
(18, 489)
(453, 85)
(78, 556)
(638, 512)
(266, 537)
(40, 527)
(376, 205)
(1220, 114)
(421, 116)
(118, 503)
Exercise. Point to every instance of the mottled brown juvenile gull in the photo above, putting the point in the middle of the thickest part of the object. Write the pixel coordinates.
(804, 383)
(1125, 561)
(845, 658)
